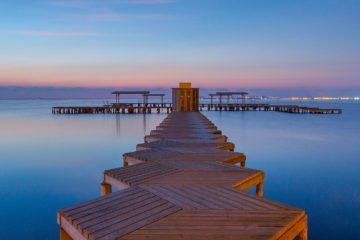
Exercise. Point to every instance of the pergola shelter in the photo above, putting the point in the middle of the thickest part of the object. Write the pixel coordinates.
(228, 95)
(161, 95)
(118, 93)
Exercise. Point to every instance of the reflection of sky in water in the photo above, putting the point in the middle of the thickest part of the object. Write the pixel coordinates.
(48, 162)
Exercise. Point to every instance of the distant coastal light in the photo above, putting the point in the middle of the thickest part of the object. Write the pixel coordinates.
(323, 98)
(299, 98)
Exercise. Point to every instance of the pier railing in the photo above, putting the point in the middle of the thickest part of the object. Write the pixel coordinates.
(122, 108)
(115, 108)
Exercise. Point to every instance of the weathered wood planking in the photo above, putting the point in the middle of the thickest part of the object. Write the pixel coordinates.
(185, 173)
(183, 212)
(186, 143)
(175, 136)
(177, 154)
(183, 187)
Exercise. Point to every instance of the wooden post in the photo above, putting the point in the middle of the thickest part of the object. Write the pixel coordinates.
(105, 189)
(303, 234)
(260, 189)
(64, 235)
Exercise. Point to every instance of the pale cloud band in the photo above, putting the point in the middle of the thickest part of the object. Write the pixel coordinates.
(114, 17)
(147, 1)
(55, 33)
(84, 4)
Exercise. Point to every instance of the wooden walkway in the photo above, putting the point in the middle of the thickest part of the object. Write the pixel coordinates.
(270, 107)
(132, 108)
(185, 182)
(115, 108)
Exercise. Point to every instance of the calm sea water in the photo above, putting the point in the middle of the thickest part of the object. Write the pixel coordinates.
(52, 161)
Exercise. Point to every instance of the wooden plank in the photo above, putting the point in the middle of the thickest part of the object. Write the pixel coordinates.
(206, 178)
(184, 145)
(176, 136)
(193, 197)
(199, 154)
(70, 230)
(136, 220)
(99, 201)
(217, 224)
(85, 214)
(130, 206)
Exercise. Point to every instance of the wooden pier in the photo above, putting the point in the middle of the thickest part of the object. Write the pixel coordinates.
(184, 182)
(115, 108)
(269, 107)
(131, 108)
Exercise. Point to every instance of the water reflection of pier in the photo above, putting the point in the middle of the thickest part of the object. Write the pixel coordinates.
(118, 124)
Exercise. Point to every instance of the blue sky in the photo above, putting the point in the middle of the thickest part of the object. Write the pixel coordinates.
(141, 43)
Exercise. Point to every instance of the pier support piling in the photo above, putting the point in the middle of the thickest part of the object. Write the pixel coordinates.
(303, 234)
(64, 235)
(260, 189)
(105, 189)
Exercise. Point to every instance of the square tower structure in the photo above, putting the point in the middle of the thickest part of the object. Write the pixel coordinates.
(185, 98)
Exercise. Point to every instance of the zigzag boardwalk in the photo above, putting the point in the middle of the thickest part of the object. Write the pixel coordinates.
(184, 182)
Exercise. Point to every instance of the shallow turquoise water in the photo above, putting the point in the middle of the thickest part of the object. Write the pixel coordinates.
(51, 161)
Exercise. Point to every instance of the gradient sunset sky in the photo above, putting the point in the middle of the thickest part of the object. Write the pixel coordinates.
(157, 43)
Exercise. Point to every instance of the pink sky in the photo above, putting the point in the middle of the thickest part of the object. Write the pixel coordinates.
(158, 43)
(168, 75)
